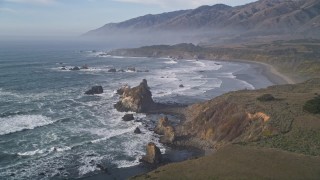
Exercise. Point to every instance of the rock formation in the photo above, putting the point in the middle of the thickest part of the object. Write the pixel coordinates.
(85, 66)
(132, 69)
(137, 131)
(121, 90)
(164, 128)
(128, 117)
(112, 70)
(95, 90)
(137, 99)
(76, 68)
(169, 135)
(153, 155)
(161, 126)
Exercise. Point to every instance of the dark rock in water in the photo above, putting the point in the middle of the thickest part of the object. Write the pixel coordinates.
(137, 99)
(91, 155)
(102, 168)
(76, 68)
(103, 54)
(137, 131)
(153, 155)
(42, 174)
(63, 68)
(121, 70)
(128, 117)
(112, 70)
(131, 69)
(61, 168)
(85, 66)
(181, 85)
(95, 90)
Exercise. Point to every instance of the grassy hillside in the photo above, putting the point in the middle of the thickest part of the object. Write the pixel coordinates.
(243, 117)
(241, 162)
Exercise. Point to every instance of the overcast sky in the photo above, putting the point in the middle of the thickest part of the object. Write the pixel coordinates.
(74, 17)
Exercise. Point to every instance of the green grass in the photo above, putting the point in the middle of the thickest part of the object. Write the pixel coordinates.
(241, 162)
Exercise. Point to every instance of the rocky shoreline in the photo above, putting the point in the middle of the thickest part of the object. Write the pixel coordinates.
(233, 118)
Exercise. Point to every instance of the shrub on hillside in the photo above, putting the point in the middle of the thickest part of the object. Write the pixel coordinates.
(313, 105)
(266, 97)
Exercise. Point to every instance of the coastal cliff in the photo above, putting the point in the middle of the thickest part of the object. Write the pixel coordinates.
(258, 117)
(243, 126)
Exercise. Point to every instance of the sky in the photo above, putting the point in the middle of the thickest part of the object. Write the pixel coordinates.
(75, 17)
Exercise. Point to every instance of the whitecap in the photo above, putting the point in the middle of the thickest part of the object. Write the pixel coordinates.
(18, 123)
(42, 151)
(170, 62)
(107, 134)
(87, 166)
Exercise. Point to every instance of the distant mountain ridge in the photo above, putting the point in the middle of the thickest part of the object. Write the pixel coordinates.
(263, 16)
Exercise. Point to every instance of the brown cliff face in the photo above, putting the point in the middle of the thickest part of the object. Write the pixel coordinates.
(242, 117)
(137, 99)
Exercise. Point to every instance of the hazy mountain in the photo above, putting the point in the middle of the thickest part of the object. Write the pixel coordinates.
(261, 17)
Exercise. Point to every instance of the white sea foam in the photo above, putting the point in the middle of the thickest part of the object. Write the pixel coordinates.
(42, 151)
(134, 147)
(8, 93)
(171, 62)
(165, 82)
(108, 133)
(247, 85)
(87, 166)
(21, 122)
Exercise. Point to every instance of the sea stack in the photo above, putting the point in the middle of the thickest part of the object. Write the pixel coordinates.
(136, 99)
(153, 155)
(161, 126)
(164, 128)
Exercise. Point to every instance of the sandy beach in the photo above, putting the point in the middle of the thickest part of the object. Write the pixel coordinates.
(269, 72)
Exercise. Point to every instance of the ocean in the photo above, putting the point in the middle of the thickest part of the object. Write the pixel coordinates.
(49, 129)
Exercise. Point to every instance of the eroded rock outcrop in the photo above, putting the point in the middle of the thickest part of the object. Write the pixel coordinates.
(162, 123)
(164, 128)
(153, 154)
(136, 99)
(121, 90)
(169, 135)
